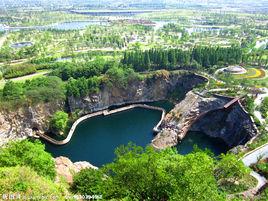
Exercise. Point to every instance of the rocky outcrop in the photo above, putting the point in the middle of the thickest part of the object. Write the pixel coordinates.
(66, 168)
(153, 88)
(25, 122)
(233, 125)
(198, 113)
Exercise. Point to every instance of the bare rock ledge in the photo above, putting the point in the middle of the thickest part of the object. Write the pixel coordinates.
(66, 168)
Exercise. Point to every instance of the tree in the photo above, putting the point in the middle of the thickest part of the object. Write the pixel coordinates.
(72, 88)
(229, 167)
(264, 107)
(31, 154)
(146, 60)
(59, 122)
(44, 89)
(88, 182)
(164, 59)
(12, 91)
(172, 58)
(147, 174)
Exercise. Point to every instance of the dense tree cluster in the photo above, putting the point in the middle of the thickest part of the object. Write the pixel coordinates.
(82, 86)
(67, 70)
(45, 89)
(146, 174)
(172, 58)
(119, 76)
(136, 174)
(95, 39)
(8, 53)
(27, 170)
(19, 70)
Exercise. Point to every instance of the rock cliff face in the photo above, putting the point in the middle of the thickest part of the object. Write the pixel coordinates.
(24, 122)
(20, 124)
(233, 125)
(150, 89)
(66, 168)
(197, 113)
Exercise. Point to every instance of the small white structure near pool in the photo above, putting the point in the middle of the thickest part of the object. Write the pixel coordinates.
(235, 70)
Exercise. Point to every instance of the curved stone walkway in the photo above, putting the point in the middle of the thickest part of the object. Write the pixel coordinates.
(257, 102)
(249, 159)
(105, 113)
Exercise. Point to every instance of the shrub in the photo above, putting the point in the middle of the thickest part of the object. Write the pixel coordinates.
(229, 167)
(26, 153)
(59, 122)
(19, 71)
(44, 89)
(13, 91)
(88, 182)
(264, 107)
(26, 182)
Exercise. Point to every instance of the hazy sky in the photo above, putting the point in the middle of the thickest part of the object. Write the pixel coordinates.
(127, 2)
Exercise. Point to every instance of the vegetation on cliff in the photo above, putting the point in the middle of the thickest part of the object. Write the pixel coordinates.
(31, 154)
(264, 108)
(23, 182)
(136, 174)
(26, 169)
(146, 174)
(59, 122)
(45, 89)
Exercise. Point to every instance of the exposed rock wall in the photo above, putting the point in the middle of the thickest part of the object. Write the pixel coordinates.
(22, 123)
(233, 125)
(150, 89)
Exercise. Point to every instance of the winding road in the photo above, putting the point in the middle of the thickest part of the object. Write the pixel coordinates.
(257, 102)
(249, 159)
(255, 155)
(261, 152)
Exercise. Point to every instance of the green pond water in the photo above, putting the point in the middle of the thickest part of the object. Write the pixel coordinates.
(95, 139)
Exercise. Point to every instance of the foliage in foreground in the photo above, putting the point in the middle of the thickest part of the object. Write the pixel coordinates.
(31, 154)
(26, 182)
(146, 174)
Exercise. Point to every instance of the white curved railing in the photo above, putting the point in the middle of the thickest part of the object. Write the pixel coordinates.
(105, 113)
